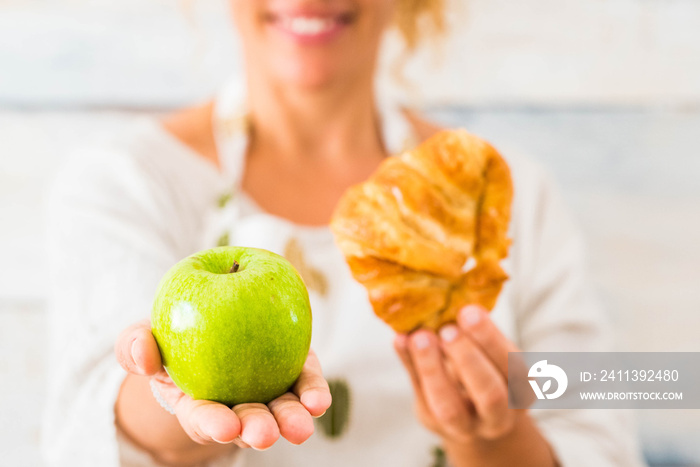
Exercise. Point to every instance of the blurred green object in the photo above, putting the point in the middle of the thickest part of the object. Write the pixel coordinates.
(440, 459)
(334, 422)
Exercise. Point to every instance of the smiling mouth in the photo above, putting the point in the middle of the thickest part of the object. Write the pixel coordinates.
(310, 26)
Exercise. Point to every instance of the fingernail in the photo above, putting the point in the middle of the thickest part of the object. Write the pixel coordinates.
(401, 340)
(136, 354)
(251, 445)
(448, 333)
(421, 341)
(471, 315)
(223, 442)
(258, 449)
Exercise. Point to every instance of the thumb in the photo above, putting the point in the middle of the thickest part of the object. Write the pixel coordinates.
(137, 351)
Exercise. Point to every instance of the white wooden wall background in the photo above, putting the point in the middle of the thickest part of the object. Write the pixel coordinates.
(605, 92)
(159, 53)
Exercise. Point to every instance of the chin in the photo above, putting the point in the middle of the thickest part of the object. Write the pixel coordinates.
(316, 75)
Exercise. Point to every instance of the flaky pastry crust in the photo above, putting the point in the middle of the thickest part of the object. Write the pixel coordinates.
(425, 234)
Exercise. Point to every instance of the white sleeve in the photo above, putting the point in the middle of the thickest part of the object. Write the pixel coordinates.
(557, 312)
(110, 239)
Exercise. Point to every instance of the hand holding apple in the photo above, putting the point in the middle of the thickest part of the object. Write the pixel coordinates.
(232, 327)
(246, 425)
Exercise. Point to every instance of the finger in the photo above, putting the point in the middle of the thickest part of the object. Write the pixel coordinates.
(401, 347)
(312, 388)
(475, 322)
(483, 381)
(441, 396)
(454, 379)
(259, 428)
(295, 422)
(207, 422)
(137, 351)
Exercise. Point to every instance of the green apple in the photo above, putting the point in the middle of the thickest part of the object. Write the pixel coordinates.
(233, 325)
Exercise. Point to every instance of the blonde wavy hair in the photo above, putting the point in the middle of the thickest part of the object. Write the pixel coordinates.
(420, 19)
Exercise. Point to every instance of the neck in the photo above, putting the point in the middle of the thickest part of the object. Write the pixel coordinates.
(332, 122)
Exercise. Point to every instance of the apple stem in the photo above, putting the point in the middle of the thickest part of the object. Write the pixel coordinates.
(235, 266)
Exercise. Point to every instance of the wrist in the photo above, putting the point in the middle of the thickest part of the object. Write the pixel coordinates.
(147, 426)
(524, 445)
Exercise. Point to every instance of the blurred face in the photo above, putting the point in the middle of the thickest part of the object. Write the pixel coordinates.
(311, 43)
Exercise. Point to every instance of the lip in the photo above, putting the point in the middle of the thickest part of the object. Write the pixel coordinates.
(309, 26)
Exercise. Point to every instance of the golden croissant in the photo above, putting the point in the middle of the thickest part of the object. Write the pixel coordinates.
(425, 234)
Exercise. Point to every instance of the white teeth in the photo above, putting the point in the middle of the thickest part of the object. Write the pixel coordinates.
(307, 26)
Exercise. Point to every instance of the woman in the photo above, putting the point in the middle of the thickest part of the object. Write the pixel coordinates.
(278, 153)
